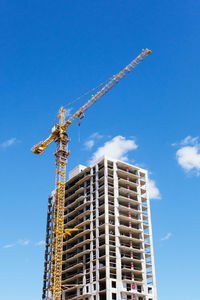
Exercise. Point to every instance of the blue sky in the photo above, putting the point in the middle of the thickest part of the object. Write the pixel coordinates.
(54, 51)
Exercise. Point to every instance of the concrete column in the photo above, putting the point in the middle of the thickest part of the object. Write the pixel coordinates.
(108, 285)
(154, 290)
(119, 286)
(97, 235)
(91, 228)
(143, 261)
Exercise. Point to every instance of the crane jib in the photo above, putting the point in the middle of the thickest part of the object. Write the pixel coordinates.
(109, 85)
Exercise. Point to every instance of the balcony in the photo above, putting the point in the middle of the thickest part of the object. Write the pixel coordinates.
(123, 174)
(143, 192)
(130, 293)
(81, 297)
(71, 204)
(133, 209)
(125, 200)
(77, 255)
(124, 238)
(72, 277)
(127, 259)
(70, 221)
(142, 182)
(126, 248)
(109, 180)
(135, 270)
(146, 236)
(75, 246)
(125, 192)
(133, 219)
(76, 210)
(128, 279)
(72, 196)
(77, 184)
(143, 199)
(72, 267)
(148, 265)
(124, 227)
(77, 236)
(124, 182)
(81, 223)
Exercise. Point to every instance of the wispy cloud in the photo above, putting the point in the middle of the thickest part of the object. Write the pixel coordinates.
(9, 246)
(188, 154)
(96, 135)
(117, 148)
(40, 243)
(167, 236)
(189, 140)
(154, 192)
(68, 112)
(8, 143)
(92, 139)
(20, 242)
(23, 242)
(89, 144)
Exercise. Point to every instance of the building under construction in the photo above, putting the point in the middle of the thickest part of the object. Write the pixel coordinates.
(111, 255)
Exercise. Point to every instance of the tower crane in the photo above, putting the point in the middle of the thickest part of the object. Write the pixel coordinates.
(60, 136)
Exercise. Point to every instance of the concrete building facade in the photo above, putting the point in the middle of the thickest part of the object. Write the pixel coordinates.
(112, 256)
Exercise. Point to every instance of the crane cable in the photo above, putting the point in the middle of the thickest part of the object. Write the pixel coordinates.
(88, 92)
(75, 100)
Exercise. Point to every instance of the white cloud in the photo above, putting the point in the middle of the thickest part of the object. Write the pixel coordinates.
(40, 243)
(189, 158)
(167, 236)
(154, 192)
(117, 148)
(8, 143)
(23, 242)
(92, 139)
(9, 246)
(188, 154)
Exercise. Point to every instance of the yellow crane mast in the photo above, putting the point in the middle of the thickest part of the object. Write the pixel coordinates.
(59, 135)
